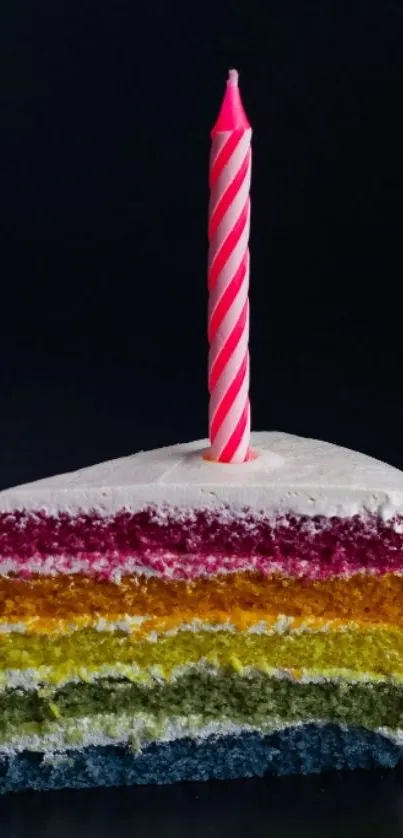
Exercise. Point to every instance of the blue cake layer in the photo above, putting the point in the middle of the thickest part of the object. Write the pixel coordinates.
(299, 750)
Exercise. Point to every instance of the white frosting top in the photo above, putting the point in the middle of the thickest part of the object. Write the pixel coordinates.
(290, 474)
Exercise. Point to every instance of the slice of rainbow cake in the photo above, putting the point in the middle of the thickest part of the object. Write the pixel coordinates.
(164, 618)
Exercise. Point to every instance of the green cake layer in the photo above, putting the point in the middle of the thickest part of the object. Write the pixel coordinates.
(223, 696)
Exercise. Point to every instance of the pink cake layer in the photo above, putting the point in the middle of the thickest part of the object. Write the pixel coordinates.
(186, 544)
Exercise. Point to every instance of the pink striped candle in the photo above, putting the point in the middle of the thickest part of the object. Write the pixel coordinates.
(228, 281)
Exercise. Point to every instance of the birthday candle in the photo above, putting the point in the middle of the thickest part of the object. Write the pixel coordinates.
(228, 280)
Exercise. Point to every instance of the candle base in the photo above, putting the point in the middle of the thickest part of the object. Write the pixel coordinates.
(207, 455)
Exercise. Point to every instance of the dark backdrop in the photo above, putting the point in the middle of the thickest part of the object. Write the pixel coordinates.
(103, 299)
(106, 124)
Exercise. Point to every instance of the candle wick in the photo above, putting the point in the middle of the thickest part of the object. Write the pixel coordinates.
(233, 77)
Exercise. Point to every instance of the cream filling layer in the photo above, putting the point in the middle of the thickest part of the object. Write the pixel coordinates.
(281, 624)
(141, 730)
(55, 565)
(45, 678)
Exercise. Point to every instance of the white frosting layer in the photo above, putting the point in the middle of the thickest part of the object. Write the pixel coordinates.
(289, 475)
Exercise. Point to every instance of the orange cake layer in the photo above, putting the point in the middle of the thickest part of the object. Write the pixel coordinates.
(361, 598)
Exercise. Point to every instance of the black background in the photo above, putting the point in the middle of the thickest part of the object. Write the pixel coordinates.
(106, 122)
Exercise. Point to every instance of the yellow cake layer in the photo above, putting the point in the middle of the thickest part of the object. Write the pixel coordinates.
(52, 603)
(378, 651)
